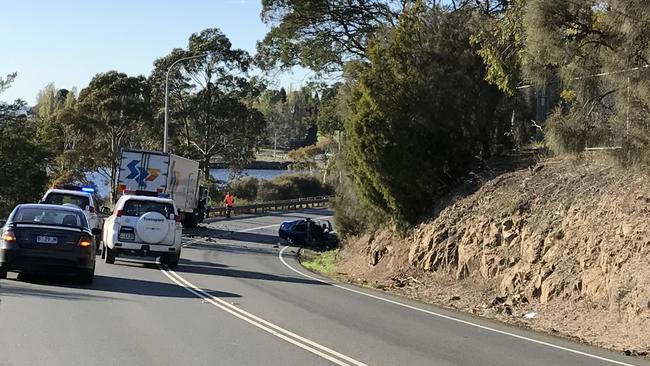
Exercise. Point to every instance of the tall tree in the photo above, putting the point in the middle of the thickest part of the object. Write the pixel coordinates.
(418, 112)
(211, 95)
(322, 34)
(22, 157)
(6, 82)
(115, 110)
(56, 131)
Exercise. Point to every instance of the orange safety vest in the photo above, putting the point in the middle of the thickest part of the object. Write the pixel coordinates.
(230, 200)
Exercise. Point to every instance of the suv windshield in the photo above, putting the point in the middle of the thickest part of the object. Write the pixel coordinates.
(51, 216)
(63, 198)
(139, 208)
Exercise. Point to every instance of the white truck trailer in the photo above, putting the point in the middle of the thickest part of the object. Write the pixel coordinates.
(169, 174)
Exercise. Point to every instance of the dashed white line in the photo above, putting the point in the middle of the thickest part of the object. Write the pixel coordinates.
(286, 335)
(452, 318)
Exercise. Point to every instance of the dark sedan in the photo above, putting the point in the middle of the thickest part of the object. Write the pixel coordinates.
(41, 237)
(316, 234)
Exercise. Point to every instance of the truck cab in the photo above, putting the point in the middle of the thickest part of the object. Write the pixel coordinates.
(159, 172)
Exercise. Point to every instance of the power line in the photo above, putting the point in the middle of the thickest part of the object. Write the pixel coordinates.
(527, 86)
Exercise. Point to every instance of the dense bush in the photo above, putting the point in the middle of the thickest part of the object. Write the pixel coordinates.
(352, 216)
(420, 110)
(281, 188)
(22, 177)
(244, 188)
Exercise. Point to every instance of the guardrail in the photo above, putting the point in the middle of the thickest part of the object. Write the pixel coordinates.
(260, 207)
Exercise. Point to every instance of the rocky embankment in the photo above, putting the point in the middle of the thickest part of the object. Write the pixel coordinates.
(562, 246)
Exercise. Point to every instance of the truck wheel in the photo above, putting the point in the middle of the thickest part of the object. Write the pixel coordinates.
(109, 256)
(98, 244)
(190, 221)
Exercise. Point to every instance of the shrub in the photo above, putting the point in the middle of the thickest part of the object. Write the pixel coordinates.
(292, 186)
(244, 188)
(352, 216)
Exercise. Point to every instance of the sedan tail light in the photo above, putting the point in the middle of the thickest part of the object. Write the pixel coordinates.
(9, 236)
(85, 242)
(118, 213)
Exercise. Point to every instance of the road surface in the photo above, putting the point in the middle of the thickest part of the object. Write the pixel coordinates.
(239, 299)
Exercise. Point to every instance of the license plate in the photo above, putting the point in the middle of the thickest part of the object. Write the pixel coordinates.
(127, 236)
(47, 239)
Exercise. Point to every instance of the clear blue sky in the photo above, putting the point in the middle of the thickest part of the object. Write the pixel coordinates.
(69, 41)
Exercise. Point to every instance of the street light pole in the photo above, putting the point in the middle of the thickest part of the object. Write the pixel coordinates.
(169, 69)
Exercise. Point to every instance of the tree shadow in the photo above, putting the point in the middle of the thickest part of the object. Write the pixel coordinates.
(237, 273)
(8, 289)
(243, 249)
(103, 284)
(210, 235)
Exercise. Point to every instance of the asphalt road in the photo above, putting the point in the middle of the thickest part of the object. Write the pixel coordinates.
(235, 299)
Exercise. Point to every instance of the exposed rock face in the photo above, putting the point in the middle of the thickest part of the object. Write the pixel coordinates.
(549, 233)
(568, 236)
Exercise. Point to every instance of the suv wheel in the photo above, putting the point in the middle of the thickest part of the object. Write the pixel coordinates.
(109, 255)
(171, 260)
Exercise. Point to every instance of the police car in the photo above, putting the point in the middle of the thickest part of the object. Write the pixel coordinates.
(143, 224)
(79, 196)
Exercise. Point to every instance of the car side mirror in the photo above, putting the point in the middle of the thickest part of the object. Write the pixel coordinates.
(96, 231)
(105, 211)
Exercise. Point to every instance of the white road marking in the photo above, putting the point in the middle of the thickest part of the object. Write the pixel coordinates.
(452, 318)
(190, 242)
(293, 338)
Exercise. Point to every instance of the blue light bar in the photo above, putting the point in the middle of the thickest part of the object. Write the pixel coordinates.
(88, 189)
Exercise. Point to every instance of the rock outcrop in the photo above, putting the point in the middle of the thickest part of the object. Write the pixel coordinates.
(570, 236)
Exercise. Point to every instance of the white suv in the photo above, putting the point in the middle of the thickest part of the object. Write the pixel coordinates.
(145, 226)
(81, 197)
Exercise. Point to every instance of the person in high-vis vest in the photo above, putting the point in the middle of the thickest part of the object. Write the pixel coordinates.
(230, 201)
(208, 205)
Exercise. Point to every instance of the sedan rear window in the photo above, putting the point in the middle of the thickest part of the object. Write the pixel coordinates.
(49, 216)
(62, 198)
(138, 208)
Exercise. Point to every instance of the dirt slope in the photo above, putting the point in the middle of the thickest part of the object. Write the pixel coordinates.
(567, 239)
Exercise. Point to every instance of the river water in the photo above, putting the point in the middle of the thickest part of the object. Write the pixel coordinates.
(268, 174)
(218, 174)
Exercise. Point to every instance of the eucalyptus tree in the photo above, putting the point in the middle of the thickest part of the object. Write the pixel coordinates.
(210, 99)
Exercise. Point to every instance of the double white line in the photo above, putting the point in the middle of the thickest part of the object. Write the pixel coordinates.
(293, 338)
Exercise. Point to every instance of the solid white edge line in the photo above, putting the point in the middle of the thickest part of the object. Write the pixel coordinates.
(452, 318)
(269, 327)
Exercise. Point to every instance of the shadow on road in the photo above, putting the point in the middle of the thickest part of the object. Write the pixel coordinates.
(188, 267)
(9, 289)
(243, 249)
(106, 284)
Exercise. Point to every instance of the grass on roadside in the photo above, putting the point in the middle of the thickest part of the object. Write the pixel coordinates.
(324, 262)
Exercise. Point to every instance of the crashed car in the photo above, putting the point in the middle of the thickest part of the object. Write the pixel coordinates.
(309, 233)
